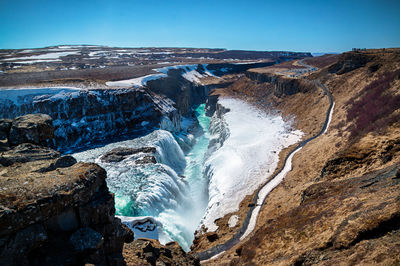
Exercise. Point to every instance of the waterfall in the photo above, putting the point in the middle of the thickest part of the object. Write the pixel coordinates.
(166, 199)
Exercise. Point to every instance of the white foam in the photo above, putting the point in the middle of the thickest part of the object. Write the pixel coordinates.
(246, 158)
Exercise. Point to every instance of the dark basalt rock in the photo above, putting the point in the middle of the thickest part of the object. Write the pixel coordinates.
(282, 86)
(146, 159)
(121, 153)
(85, 117)
(62, 162)
(86, 239)
(65, 161)
(212, 236)
(5, 126)
(350, 61)
(32, 128)
(27, 152)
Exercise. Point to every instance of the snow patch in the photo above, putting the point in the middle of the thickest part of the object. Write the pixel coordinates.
(145, 227)
(135, 82)
(247, 157)
(19, 96)
(233, 221)
(43, 56)
(190, 73)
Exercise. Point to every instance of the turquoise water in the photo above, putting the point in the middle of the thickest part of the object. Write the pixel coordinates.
(180, 224)
(174, 191)
(195, 160)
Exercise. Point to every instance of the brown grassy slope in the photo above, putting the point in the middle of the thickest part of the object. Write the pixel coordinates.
(349, 212)
(322, 61)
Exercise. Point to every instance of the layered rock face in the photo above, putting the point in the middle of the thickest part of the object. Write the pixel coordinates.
(37, 129)
(82, 117)
(53, 210)
(350, 61)
(282, 86)
(183, 92)
(218, 127)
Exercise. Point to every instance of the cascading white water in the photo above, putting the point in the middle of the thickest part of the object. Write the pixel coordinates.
(173, 191)
(170, 199)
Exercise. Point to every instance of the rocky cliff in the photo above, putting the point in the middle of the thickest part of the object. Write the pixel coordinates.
(282, 86)
(54, 210)
(83, 117)
(183, 92)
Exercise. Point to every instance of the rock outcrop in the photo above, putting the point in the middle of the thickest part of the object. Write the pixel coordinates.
(146, 155)
(151, 252)
(53, 210)
(350, 61)
(31, 128)
(282, 86)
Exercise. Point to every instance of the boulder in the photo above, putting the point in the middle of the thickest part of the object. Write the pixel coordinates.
(5, 126)
(121, 153)
(32, 128)
(212, 236)
(65, 161)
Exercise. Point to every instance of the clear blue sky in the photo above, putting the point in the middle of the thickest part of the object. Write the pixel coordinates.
(316, 26)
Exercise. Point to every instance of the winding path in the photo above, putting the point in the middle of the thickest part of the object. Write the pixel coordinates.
(262, 193)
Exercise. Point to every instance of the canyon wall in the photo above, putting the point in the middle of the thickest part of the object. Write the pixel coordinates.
(282, 86)
(84, 117)
(183, 92)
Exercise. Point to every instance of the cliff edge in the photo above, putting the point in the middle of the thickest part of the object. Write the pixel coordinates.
(53, 210)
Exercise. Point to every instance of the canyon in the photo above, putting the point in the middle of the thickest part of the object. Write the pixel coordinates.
(239, 162)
